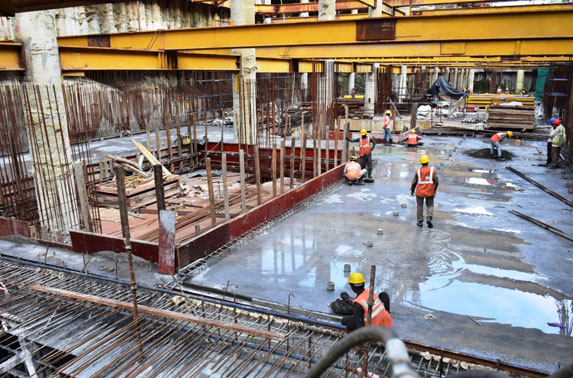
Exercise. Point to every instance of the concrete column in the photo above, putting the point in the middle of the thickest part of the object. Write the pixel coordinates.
(351, 81)
(326, 10)
(403, 82)
(519, 81)
(51, 154)
(304, 14)
(471, 77)
(370, 90)
(243, 13)
(435, 75)
(376, 11)
(455, 78)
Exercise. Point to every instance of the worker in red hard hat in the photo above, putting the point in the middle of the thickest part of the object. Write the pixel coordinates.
(413, 139)
(425, 184)
(353, 173)
(380, 308)
(496, 139)
(558, 138)
(367, 144)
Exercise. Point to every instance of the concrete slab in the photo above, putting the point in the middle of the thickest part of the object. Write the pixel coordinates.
(491, 280)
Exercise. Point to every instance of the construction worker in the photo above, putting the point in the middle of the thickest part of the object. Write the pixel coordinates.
(425, 185)
(387, 128)
(353, 173)
(557, 141)
(496, 140)
(550, 140)
(413, 138)
(353, 93)
(498, 90)
(506, 90)
(367, 144)
(380, 308)
(523, 93)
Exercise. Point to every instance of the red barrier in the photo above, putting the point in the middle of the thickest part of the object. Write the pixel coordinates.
(9, 226)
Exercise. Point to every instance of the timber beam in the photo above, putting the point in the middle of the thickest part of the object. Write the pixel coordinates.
(453, 30)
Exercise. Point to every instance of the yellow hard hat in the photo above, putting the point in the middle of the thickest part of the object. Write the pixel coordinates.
(424, 159)
(510, 134)
(388, 112)
(356, 278)
(507, 89)
(353, 158)
(363, 132)
(413, 131)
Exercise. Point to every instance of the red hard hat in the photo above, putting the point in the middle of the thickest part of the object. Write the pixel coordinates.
(557, 122)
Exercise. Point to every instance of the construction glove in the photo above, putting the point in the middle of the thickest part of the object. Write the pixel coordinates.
(412, 193)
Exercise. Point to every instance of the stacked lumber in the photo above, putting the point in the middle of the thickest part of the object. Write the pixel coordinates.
(511, 117)
(139, 191)
(483, 100)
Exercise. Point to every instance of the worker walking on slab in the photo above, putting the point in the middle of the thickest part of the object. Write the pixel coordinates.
(413, 139)
(496, 139)
(367, 144)
(380, 308)
(425, 184)
(558, 138)
(387, 127)
(353, 173)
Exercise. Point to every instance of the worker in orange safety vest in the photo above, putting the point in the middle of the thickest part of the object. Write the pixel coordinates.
(413, 138)
(353, 173)
(425, 184)
(380, 309)
(495, 142)
(367, 144)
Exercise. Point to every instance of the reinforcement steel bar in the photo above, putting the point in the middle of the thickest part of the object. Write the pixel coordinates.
(542, 187)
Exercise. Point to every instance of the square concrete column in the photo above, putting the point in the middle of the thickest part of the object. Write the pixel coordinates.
(370, 90)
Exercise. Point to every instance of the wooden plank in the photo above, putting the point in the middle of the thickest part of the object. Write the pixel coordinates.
(82, 194)
(159, 190)
(158, 312)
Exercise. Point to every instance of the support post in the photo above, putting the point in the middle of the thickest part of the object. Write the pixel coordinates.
(211, 193)
(292, 154)
(336, 133)
(258, 176)
(167, 241)
(159, 190)
(274, 169)
(225, 188)
(282, 166)
(243, 187)
(82, 194)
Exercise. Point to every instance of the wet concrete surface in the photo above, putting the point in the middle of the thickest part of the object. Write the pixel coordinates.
(491, 280)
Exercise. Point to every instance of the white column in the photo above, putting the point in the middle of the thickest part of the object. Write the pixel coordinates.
(403, 82)
(435, 75)
(370, 89)
(243, 13)
(471, 77)
(519, 81)
(351, 81)
(303, 14)
(376, 11)
(49, 144)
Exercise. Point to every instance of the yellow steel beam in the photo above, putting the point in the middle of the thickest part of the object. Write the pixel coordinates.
(477, 49)
(491, 26)
(497, 9)
(101, 58)
(211, 62)
(305, 7)
(11, 57)
(272, 65)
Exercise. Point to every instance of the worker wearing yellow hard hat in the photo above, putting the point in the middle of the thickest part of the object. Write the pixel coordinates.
(424, 185)
(496, 140)
(387, 127)
(413, 139)
(353, 173)
(366, 144)
(380, 308)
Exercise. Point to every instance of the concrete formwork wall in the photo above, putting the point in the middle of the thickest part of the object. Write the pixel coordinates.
(128, 17)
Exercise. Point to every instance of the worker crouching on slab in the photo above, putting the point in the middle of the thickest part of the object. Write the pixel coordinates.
(380, 308)
(496, 140)
(353, 172)
(414, 139)
(425, 185)
(367, 144)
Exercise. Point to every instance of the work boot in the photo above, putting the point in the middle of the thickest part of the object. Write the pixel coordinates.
(429, 222)
(420, 223)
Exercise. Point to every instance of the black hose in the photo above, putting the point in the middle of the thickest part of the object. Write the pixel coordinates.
(395, 349)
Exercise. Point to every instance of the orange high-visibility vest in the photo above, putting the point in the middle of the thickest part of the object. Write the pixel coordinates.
(380, 317)
(496, 137)
(352, 170)
(412, 139)
(425, 186)
(364, 146)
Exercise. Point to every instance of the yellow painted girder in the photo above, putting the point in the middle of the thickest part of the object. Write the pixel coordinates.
(491, 26)
(11, 57)
(497, 9)
(100, 58)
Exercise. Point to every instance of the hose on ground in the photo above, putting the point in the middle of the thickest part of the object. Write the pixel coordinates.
(395, 350)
